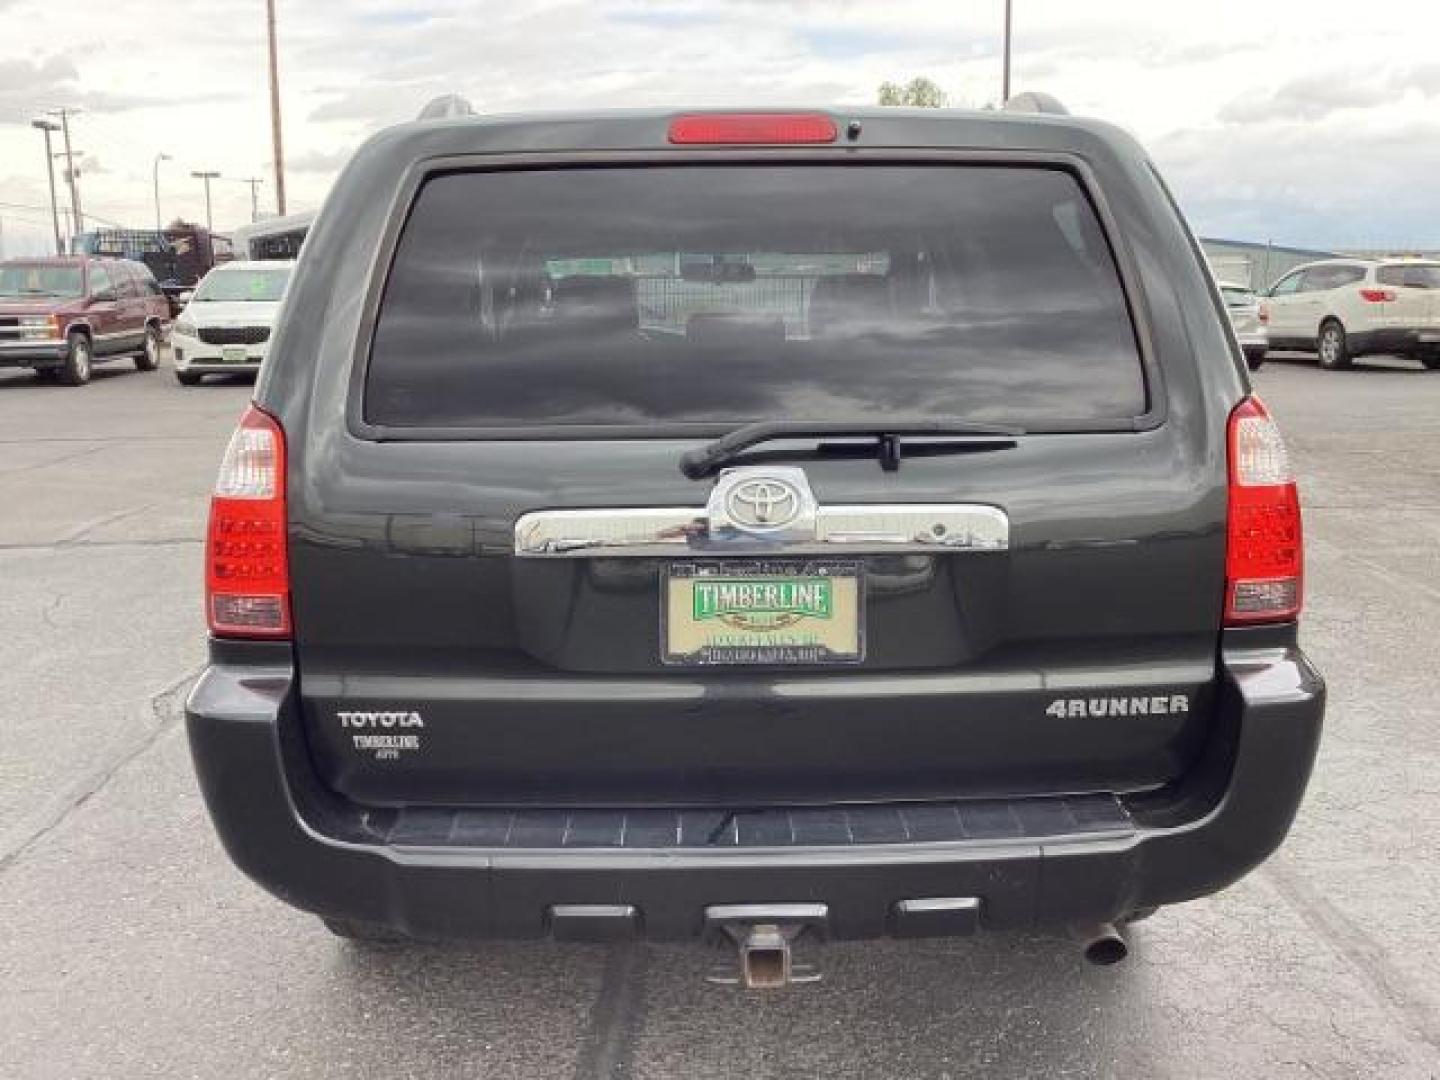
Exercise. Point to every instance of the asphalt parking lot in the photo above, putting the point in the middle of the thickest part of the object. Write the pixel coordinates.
(130, 947)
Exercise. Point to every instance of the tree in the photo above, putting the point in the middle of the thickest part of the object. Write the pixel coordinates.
(919, 91)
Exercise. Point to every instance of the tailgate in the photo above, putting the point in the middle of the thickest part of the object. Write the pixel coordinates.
(507, 592)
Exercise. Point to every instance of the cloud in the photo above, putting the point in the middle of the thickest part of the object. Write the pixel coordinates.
(1288, 184)
(319, 161)
(386, 102)
(1241, 122)
(28, 87)
(1312, 97)
(1422, 77)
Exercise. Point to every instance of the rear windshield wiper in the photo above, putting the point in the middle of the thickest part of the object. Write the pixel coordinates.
(703, 460)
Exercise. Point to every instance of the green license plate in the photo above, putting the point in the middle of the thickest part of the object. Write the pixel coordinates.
(233, 354)
(763, 612)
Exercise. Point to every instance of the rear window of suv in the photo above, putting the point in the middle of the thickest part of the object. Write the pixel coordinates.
(671, 295)
(1410, 275)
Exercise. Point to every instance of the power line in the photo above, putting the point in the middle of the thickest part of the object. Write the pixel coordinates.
(22, 206)
(254, 182)
(30, 218)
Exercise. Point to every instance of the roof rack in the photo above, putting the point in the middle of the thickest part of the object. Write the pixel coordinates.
(446, 107)
(1034, 101)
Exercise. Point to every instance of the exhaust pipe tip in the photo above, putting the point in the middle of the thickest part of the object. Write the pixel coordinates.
(1102, 945)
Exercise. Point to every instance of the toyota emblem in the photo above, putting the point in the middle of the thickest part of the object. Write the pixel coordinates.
(763, 503)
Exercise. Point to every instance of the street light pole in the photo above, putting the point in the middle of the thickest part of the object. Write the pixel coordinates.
(47, 127)
(207, 177)
(1005, 78)
(155, 171)
(275, 109)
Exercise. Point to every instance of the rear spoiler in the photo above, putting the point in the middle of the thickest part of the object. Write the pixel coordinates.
(1034, 101)
(446, 107)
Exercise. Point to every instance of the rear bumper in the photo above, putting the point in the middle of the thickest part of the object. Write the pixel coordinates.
(1394, 340)
(322, 854)
(1254, 342)
(33, 353)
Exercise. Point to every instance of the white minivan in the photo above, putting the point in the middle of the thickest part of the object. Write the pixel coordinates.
(1345, 308)
(225, 328)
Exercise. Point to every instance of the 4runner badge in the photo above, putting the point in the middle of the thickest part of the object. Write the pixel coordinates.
(1150, 705)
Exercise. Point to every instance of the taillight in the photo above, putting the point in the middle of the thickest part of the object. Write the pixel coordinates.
(753, 128)
(247, 573)
(1377, 296)
(1264, 542)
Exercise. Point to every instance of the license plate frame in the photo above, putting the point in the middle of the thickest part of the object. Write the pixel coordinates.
(813, 616)
(234, 354)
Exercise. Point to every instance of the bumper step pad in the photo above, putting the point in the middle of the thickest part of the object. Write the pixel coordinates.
(845, 826)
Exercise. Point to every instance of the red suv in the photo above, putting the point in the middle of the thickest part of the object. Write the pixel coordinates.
(62, 315)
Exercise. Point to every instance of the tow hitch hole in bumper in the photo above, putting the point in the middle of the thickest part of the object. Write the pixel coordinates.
(763, 935)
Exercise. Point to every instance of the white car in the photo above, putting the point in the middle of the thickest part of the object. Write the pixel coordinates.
(1344, 308)
(1249, 322)
(226, 325)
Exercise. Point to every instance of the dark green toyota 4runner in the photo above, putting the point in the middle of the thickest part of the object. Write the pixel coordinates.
(757, 526)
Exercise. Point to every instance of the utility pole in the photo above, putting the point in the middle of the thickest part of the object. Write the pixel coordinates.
(207, 177)
(275, 110)
(254, 182)
(155, 173)
(70, 173)
(48, 126)
(1005, 79)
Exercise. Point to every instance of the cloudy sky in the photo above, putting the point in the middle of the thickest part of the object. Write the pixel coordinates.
(1308, 122)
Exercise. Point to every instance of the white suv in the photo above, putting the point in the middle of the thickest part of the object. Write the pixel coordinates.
(1344, 308)
(1248, 321)
(225, 328)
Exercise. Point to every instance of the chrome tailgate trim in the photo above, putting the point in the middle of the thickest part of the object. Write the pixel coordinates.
(932, 528)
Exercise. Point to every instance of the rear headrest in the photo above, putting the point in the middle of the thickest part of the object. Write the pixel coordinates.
(606, 300)
(847, 304)
(709, 328)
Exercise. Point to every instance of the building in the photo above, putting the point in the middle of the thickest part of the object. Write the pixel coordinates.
(1241, 262)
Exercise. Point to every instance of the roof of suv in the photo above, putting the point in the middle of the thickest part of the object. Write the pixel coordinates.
(648, 129)
(252, 264)
(56, 260)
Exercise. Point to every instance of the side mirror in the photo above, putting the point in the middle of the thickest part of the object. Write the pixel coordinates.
(184, 297)
(104, 296)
